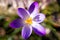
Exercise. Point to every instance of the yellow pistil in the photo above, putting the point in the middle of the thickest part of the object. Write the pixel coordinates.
(28, 21)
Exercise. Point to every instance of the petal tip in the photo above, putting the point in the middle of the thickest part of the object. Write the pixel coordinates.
(43, 34)
(10, 25)
(35, 3)
(17, 23)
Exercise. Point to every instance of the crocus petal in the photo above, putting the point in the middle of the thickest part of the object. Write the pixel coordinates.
(38, 29)
(33, 8)
(16, 23)
(39, 18)
(26, 31)
(23, 13)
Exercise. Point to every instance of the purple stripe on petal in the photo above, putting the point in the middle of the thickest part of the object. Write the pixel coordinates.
(16, 23)
(33, 7)
(39, 18)
(26, 31)
(38, 29)
(23, 13)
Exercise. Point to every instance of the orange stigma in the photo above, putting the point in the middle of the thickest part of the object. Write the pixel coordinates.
(28, 21)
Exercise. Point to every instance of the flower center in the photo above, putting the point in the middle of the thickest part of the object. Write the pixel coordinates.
(28, 21)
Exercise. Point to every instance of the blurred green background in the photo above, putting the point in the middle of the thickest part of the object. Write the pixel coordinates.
(51, 8)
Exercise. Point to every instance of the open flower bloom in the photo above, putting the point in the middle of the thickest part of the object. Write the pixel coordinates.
(29, 21)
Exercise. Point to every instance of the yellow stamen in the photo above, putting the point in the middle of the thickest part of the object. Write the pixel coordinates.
(28, 21)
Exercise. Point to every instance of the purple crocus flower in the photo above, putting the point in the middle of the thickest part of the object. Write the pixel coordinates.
(29, 21)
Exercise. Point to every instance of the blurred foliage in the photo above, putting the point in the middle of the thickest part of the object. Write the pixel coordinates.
(52, 21)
